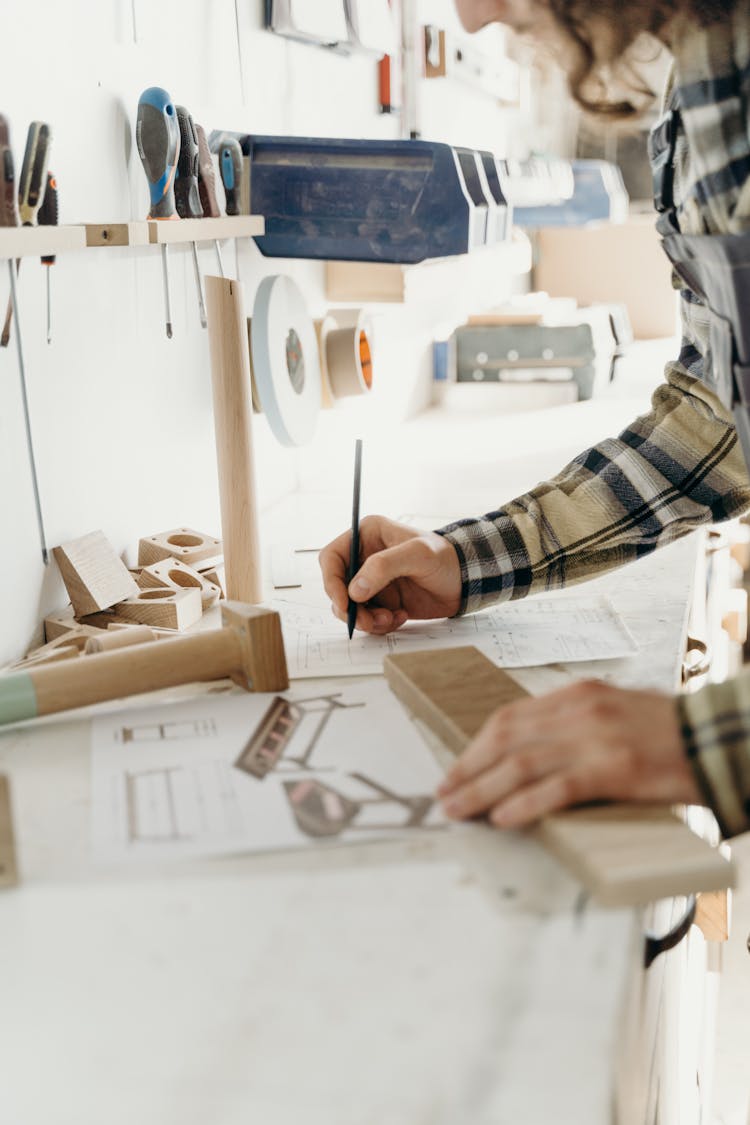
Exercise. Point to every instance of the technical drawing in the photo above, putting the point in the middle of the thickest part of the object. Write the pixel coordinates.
(288, 726)
(321, 810)
(152, 805)
(160, 732)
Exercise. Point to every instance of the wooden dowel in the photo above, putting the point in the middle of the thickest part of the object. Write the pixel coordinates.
(129, 671)
(230, 380)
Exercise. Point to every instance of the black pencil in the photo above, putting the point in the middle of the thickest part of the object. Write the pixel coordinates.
(351, 614)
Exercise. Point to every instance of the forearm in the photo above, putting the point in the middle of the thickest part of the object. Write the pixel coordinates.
(671, 471)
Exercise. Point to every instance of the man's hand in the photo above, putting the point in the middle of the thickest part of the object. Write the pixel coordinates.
(404, 574)
(584, 743)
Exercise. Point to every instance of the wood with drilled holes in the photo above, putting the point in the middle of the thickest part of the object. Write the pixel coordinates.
(233, 422)
(172, 572)
(622, 854)
(165, 608)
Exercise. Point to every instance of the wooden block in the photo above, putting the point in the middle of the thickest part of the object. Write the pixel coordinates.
(623, 854)
(94, 575)
(452, 693)
(8, 865)
(178, 576)
(216, 576)
(117, 234)
(712, 915)
(166, 608)
(182, 543)
(55, 624)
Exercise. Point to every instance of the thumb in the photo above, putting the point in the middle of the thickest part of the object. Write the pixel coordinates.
(378, 570)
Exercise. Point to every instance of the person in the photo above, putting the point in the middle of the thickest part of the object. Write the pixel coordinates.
(678, 467)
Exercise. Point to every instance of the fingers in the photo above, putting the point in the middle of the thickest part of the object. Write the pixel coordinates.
(407, 560)
(334, 561)
(376, 619)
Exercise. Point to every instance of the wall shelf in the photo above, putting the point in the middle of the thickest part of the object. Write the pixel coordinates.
(392, 283)
(20, 242)
(206, 230)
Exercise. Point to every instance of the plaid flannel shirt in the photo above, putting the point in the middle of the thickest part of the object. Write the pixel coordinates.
(679, 466)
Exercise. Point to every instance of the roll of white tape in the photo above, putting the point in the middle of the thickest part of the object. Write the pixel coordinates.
(349, 358)
(285, 359)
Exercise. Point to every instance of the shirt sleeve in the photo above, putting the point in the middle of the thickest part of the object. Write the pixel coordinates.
(670, 471)
(716, 731)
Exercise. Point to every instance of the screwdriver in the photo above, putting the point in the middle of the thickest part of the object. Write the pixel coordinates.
(187, 194)
(158, 138)
(230, 169)
(48, 217)
(30, 191)
(207, 186)
(10, 217)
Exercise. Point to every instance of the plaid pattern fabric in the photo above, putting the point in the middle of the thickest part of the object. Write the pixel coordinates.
(675, 468)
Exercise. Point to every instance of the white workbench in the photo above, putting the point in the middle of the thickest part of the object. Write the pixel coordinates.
(455, 980)
(446, 981)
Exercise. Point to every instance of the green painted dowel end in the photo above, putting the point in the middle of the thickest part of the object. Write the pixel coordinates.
(17, 698)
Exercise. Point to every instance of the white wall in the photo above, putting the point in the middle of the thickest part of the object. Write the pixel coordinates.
(121, 416)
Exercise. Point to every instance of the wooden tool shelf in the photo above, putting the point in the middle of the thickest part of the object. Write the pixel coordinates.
(20, 242)
(393, 283)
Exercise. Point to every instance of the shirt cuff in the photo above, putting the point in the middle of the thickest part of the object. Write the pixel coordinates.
(495, 565)
(716, 731)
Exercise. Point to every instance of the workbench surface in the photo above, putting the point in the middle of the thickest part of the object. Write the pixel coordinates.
(458, 980)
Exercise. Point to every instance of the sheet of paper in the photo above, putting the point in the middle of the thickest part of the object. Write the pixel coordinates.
(229, 773)
(548, 630)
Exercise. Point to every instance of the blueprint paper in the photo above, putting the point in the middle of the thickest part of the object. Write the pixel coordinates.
(515, 635)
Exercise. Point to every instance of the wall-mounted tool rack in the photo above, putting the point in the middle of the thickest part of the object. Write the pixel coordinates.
(20, 242)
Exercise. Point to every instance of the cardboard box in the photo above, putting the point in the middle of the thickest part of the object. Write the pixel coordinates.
(611, 262)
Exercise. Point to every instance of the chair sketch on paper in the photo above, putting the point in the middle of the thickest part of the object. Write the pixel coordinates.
(288, 731)
(321, 810)
(284, 741)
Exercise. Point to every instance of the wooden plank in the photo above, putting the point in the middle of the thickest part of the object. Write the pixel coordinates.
(622, 854)
(18, 242)
(206, 230)
(8, 865)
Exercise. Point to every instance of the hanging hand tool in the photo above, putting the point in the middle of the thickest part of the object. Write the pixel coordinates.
(230, 169)
(207, 186)
(187, 195)
(158, 138)
(48, 217)
(9, 217)
(31, 189)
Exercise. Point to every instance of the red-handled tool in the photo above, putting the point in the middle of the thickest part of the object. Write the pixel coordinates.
(48, 216)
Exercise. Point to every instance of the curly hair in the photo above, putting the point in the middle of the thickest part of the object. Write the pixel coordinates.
(596, 71)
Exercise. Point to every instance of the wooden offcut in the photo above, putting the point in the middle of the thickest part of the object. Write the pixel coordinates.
(622, 854)
(165, 608)
(173, 573)
(184, 543)
(94, 574)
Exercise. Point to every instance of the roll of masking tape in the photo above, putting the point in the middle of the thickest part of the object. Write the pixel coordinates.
(286, 367)
(348, 350)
